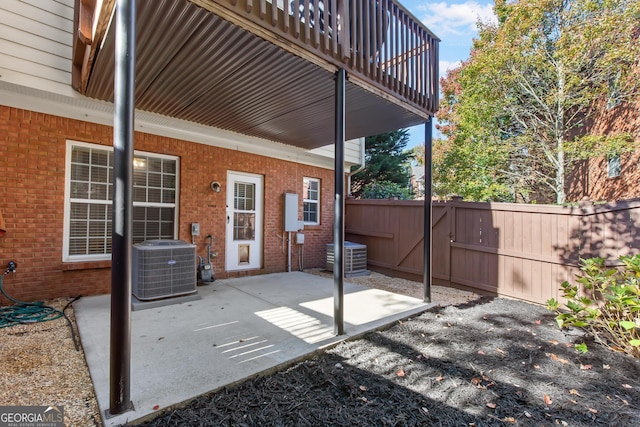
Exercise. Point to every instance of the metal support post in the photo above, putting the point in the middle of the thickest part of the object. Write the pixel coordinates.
(428, 140)
(338, 217)
(120, 349)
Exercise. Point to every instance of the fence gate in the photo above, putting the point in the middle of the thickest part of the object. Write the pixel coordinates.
(516, 250)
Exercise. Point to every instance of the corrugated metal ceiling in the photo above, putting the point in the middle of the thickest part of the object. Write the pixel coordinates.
(192, 65)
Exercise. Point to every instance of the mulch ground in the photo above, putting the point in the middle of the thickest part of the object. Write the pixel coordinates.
(494, 362)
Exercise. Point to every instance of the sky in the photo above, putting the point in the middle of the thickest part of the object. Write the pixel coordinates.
(454, 22)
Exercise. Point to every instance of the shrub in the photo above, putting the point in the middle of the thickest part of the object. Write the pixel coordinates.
(605, 302)
(385, 190)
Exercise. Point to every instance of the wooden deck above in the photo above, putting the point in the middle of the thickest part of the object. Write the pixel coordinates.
(266, 69)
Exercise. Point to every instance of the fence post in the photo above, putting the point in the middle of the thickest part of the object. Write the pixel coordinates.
(452, 206)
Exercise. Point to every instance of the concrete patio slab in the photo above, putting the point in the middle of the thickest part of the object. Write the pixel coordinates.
(239, 328)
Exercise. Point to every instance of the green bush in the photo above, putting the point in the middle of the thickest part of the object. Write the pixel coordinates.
(385, 190)
(605, 302)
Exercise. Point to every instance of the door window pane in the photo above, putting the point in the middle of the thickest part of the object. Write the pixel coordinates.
(244, 196)
(244, 226)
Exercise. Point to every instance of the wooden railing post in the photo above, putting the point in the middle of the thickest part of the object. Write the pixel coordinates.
(344, 35)
(377, 41)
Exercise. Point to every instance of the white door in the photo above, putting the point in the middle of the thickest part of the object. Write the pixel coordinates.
(244, 221)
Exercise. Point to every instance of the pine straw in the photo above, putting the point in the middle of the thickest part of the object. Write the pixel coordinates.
(41, 367)
(441, 295)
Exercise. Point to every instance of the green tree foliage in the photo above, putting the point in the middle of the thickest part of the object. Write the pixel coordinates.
(385, 190)
(386, 162)
(468, 161)
(515, 113)
(417, 154)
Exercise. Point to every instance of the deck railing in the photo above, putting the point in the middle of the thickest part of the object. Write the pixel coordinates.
(378, 42)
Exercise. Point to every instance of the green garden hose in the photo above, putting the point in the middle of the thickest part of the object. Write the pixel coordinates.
(25, 312)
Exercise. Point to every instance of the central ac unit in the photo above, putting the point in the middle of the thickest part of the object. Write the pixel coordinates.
(354, 257)
(163, 268)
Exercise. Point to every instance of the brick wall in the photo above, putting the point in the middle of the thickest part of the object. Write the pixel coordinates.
(589, 178)
(32, 156)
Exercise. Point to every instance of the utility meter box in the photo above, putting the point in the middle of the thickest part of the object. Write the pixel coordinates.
(290, 212)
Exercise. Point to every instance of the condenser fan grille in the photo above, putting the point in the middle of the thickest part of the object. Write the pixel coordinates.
(355, 258)
(163, 268)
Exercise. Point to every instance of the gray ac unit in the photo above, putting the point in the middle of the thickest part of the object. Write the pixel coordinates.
(354, 256)
(163, 268)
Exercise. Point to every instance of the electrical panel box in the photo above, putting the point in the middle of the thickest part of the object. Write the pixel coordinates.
(195, 229)
(290, 212)
(299, 239)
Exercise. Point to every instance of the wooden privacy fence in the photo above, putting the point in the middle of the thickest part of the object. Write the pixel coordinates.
(515, 250)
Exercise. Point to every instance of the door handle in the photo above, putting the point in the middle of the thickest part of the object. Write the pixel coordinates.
(228, 219)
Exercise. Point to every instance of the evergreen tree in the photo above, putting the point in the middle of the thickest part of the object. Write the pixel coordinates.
(386, 162)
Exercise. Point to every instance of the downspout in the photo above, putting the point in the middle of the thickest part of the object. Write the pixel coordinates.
(360, 168)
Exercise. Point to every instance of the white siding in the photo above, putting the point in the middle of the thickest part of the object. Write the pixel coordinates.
(352, 153)
(36, 44)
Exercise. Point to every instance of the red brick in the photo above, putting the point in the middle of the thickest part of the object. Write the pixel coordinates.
(32, 187)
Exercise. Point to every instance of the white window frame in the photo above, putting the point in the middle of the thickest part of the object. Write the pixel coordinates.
(314, 201)
(66, 257)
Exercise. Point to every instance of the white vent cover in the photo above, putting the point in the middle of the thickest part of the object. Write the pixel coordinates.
(163, 268)
(355, 258)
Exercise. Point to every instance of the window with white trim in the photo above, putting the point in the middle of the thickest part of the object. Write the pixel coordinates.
(613, 166)
(89, 192)
(311, 201)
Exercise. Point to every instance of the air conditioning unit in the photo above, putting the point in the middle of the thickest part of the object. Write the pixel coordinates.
(163, 268)
(354, 256)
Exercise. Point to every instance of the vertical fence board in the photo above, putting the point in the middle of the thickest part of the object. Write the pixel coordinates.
(492, 234)
(520, 251)
(508, 286)
(506, 231)
(441, 248)
(546, 233)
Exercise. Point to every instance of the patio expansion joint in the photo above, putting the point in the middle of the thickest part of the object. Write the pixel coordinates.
(194, 376)
(254, 296)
